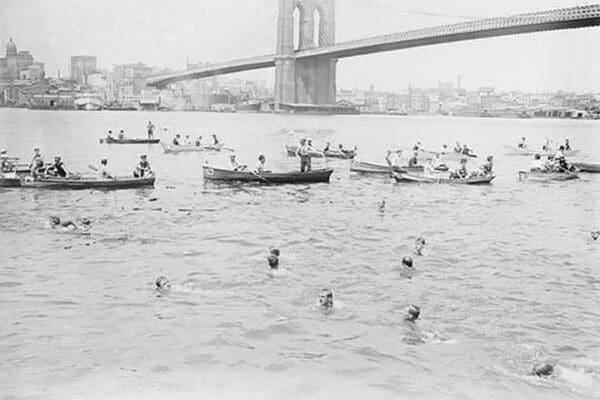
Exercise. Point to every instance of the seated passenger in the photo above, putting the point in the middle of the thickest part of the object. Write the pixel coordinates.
(567, 145)
(327, 146)
(198, 141)
(215, 140)
(233, 164)
(461, 172)
(176, 140)
(142, 169)
(537, 165)
(121, 134)
(103, 170)
(522, 143)
(458, 148)
(57, 169)
(486, 169)
(550, 165)
(260, 166)
(413, 162)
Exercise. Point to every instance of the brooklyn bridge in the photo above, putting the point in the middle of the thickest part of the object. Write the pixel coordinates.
(306, 54)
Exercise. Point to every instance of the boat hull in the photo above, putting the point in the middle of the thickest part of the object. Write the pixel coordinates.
(546, 176)
(10, 182)
(315, 176)
(110, 140)
(75, 184)
(371, 168)
(477, 180)
(587, 167)
(291, 150)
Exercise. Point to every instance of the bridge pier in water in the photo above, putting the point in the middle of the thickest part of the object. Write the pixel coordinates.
(304, 81)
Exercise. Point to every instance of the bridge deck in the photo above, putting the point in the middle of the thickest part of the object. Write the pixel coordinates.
(565, 18)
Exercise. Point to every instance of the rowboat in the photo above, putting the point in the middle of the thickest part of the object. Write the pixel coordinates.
(291, 150)
(527, 151)
(586, 167)
(345, 155)
(112, 140)
(443, 178)
(546, 176)
(188, 148)
(88, 183)
(315, 176)
(371, 168)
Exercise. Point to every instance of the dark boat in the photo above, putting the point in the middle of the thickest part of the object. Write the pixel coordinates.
(88, 183)
(546, 176)
(372, 168)
(315, 176)
(476, 180)
(112, 140)
(586, 167)
(11, 180)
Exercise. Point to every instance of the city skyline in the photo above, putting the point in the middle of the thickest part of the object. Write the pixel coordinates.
(549, 61)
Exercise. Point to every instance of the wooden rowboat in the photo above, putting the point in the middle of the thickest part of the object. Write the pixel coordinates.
(315, 176)
(188, 148)
(88, 183)
(372, 168)
(518, 151)
(112, 140)
(546, 176)
(444, 178)
(586, 167)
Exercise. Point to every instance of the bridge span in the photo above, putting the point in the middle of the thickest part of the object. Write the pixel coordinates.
(551, 20)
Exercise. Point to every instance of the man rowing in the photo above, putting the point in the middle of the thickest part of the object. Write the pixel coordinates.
(234, 165)
(304, 153)
(488, 166)
(461, 172)
(142, 168)
(57, 169)
(103, 170)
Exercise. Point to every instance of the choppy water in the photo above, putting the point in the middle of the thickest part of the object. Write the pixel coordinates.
(509, 277)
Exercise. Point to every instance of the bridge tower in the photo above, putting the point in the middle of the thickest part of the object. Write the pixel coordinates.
(304, 81)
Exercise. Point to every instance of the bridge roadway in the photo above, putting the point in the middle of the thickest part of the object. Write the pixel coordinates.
(564, 18)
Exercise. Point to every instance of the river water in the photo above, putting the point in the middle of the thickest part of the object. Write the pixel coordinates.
(509, 277)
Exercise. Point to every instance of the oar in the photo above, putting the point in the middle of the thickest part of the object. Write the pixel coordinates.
(568, 172)
(258, 176)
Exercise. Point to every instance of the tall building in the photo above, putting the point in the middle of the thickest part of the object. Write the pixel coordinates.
(16, 62)
(81, 67)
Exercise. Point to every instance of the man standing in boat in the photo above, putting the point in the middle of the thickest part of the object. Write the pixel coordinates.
(150, 128)
(304, 153)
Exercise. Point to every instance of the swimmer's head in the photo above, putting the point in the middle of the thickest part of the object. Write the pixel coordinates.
(537, 156)
(275, 251)
(326, 298)
(490, 158)
(419, 244)
(261, 158)
(407, 262)
(162, 282)
(103, 161)
(86, 221)
(412, 313)
(273, 261)
(54, 220)
(562, 148)
(463, 160)
(543, 370)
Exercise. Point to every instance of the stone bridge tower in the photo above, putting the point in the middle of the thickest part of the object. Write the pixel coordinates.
(304, 81)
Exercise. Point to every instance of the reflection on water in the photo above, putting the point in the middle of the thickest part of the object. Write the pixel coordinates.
(508, 278)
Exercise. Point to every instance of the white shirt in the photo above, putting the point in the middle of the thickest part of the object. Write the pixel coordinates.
(538, 165)
(260, 167)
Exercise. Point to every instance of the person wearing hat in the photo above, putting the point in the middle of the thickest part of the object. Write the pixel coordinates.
(142, 168)
(234, 165)
(304, 153)
(57, 169)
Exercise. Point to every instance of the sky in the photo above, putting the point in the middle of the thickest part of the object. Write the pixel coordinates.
(167, 34)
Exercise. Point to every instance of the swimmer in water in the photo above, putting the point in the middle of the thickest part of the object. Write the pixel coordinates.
(407, 262)
(326, 298)
(543, 370)
(273, 261)
(595, 235)
(419, 245)
(56, 222)
(162, 283)
(412, 313)
(382, 206)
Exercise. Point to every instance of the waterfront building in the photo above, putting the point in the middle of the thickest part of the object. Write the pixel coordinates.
(81, 68)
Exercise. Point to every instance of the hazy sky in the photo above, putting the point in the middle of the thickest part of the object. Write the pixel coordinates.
(166, 33)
